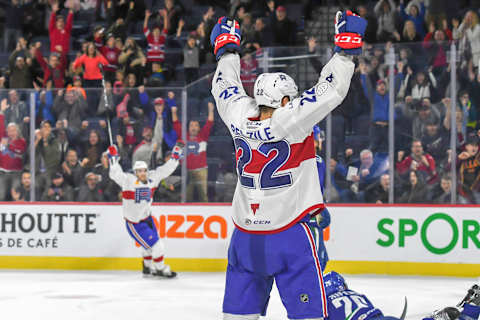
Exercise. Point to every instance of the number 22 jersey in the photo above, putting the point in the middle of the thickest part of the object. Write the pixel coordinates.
(278, 184)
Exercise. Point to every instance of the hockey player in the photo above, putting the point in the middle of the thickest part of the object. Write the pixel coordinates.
(137, 194)
(348, 304)
(278, 189)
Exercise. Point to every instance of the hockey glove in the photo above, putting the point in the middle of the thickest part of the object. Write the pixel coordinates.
(112, 151)
(349, 31)
(177, 151)
(225, 37)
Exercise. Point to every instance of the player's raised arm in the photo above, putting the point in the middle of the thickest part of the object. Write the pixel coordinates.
(115, 173)
(226, 85)
(167, 169)
(334, 82)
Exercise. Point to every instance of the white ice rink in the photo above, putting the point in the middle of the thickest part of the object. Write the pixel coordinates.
(61, 295)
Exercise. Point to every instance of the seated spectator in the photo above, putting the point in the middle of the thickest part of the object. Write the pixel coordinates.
(92, 149)
(12, 153)
(468, 163)
(58, 190)
(191, 59)
(19, 64)
(157, 76)
(72, 169)
(378, 192)
(262, 37)
(416, 190)
(196, 146)
(417, 161)
(410, 34)
(369, 169)
(59, 31)
(43, 106)
(284, 30)
(77, 87)
(385, 12)
(90, 192)
(53, 70)
(22, 192)
(415, 14)
(442, 192)
(47, 153)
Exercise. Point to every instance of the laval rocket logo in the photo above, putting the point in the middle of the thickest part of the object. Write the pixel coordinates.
(254, 207)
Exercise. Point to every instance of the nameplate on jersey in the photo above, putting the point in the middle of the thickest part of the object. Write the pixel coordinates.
(253, 132)
(143, 194)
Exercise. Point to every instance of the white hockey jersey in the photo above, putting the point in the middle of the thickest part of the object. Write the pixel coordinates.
(138, 196)
(278, 183)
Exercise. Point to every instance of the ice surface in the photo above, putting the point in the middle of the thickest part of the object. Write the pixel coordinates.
(62, 295)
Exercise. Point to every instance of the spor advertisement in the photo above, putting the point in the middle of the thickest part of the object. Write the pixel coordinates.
(361, 239)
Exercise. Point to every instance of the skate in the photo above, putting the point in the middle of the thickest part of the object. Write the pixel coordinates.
(146, 271)
(164, 273)
(472, 297)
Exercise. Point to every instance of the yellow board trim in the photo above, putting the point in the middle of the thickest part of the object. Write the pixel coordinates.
(220, 265)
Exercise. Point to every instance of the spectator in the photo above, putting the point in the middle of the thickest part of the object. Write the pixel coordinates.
(77, 88)
(385, 12)
(43, 106)
(47, 153)
(12, 153)
(369, 169)
(156, 38)
(196, 144)
(59, 31)
(19, 64)
(72, 107)
(410, 34)
(58, 190)
(371, 30)
(90, 192)
(133, 60)
(414, 13)
(379, 129)
(416, 189)
(191, 59)
(158, 127)
(119, 28)
(72, 169)
(173, 11)
(91, 61)
(262, 36)
(248, 70)
(111, 52)
(143, 151)
(425, 113)
(92, 149)
(469, 35)
(15, 110)
(54, 70)
(13, 23)
(283, 29)
(417, 161)
(22, 192)
(378, 192)
(436, 140)
(442, 192)
(469, 110)
(420, 87)
(438, 48)
(469, 172)
(110, 190)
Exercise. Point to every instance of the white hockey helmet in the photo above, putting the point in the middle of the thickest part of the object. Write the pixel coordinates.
(270, 88)
(140, 165)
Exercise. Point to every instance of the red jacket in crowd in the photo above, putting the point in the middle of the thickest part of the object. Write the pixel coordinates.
(91, 71)
(156, 47)
(57, 75)
(196, 146)
(404, 166)
(60, 37)
(11, 155)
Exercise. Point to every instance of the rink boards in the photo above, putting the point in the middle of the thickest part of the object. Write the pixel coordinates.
(381, 239)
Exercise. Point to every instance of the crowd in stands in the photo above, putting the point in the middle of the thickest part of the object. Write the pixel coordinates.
(61, 50)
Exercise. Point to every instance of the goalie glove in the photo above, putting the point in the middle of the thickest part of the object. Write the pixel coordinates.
(177, 151)
(225, 37)
(349, 31)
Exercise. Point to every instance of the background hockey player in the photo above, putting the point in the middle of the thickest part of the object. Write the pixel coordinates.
(345, 303)
(137, 194)
(322, 220)
(278, 189)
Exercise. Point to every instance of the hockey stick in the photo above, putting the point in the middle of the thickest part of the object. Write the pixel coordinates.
(107, 107)
(404, 312)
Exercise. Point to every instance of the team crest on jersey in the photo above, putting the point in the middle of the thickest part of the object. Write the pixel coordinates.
(142, 194)
(255, 207)
(321, 88)
(304, 298)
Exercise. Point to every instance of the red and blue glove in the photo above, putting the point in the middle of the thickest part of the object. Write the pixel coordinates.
(112, 152)
(225, 37)
(177, 151)
(349, 32)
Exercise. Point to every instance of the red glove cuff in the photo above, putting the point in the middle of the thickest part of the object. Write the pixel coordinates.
(348, 40)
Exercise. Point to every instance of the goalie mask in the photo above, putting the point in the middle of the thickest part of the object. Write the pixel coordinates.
(270, 88)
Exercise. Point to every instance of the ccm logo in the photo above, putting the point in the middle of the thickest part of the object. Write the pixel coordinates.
(191, 226)
(226, 37)
(348, 39)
